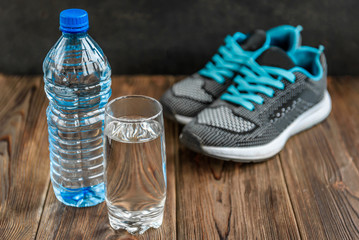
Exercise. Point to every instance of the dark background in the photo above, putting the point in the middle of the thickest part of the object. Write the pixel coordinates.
(174, 37)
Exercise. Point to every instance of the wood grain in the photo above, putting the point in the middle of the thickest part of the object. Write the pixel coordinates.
(323, 179)
(345, 94)
(309, 191)
(226, 200)
(62, 222)
(24, 167)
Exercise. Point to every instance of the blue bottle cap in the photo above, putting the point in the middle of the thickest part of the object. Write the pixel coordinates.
(74, 21)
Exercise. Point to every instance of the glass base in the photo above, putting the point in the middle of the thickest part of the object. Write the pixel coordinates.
(135, 221)
(81, 197)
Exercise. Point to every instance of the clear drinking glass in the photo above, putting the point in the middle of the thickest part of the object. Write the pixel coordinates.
(135, 163)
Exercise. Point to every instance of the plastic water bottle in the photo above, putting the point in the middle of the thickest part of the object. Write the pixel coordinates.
(77, 79)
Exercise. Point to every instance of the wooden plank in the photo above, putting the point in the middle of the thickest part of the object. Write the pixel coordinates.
(215, 199)
(24, 170)
(322, 177)
(227, 200)
(345, 95)
(62, 222)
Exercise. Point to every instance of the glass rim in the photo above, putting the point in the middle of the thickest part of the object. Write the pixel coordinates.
(123, 119)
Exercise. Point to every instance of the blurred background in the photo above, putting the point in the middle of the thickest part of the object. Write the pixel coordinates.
(174, 37)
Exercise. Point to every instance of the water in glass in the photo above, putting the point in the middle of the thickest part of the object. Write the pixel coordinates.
(135, 174)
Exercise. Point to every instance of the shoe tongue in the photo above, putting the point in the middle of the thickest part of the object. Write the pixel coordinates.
(275, 57)
(254, 41)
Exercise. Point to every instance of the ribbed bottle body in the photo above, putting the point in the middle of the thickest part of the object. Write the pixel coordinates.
(77, 80)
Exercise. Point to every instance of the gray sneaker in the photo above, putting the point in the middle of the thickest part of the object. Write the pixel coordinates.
(276, 97)
(185, 99)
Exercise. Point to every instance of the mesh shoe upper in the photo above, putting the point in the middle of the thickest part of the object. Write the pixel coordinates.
(223, 118)
(224, 124)
(191, 95)
(192, 88)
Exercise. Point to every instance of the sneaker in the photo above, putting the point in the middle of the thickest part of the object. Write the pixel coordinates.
(271, 99)
(185, 99)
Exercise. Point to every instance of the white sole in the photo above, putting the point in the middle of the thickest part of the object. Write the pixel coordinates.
(313, 116)
(182, 119)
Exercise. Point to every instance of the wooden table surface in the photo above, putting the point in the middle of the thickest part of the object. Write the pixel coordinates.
(308, 191)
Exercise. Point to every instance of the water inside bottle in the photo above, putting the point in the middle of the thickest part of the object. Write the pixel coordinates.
(77, 80)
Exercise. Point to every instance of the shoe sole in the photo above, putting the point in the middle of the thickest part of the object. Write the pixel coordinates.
(182, 119)
(306, 120)
(176, 117)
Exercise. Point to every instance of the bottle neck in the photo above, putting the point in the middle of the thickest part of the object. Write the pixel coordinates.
(74, 35)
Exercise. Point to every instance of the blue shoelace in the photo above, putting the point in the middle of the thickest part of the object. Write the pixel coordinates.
(228, 60)
(254, 79)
